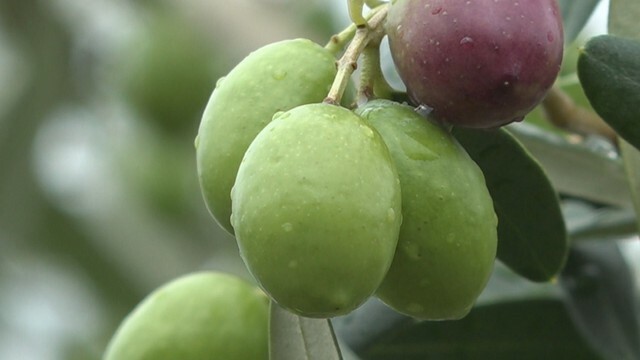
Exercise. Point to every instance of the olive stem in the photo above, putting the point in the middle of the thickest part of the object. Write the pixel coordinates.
(372, 82)
(374, 3)
(348, 63)
(355, 12)
(338, 41)
(564, 113)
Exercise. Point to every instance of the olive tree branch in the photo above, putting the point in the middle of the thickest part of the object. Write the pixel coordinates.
(338, 41)
(348, 63)
(564, 113)
(372, 81)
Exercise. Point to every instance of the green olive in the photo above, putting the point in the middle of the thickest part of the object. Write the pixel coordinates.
(274, 78)
(204, 315)
(316, 210)
(448, 238)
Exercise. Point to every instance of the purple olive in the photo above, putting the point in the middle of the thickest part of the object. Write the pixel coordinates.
(477, 63)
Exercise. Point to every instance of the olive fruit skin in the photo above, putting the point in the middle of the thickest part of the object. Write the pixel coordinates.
(316, 210)
(448, 238)
(477, 63)
(203, 315)
(274, 78)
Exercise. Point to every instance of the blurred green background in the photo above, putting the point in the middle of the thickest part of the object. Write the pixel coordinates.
(99, 200)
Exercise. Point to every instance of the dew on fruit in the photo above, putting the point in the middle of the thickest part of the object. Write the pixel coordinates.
(467, 41)
(450, 238)
(288, 227)
(412, 250)
(281, 115)
(550, 36)
(220, 81)
(436, 11)
(196, 142)
(391, 215)
(279, 74)
(424, 110)
(367, 131)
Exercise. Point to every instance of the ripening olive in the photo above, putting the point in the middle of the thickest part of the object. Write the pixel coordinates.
(477, 63)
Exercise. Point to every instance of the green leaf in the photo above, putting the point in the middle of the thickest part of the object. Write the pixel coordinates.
(570, 166)
(523, 330)
(293, 337)
(575, 15)
(631, 160)
(623, 21)
(609, 71)
(589, 222)
(532, 238)
(601, 299)
(374, 321)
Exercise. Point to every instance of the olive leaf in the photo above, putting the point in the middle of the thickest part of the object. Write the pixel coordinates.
(494, 331)
(601, 299)
(623, 21)
(292, 337)
(609, 71)
(532, 238)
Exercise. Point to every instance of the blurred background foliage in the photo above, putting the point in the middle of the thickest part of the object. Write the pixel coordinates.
(99, 200)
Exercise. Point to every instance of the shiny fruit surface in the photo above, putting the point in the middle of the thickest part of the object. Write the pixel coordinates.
(448, 237)
(204, 315)
(477, 63)
(316, 210)
(274, 78)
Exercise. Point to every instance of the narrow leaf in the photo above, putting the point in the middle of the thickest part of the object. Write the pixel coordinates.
(631, 160)
(609, 71)
(370, 323)
(623, 21)
(602, 299)
(586, 221)
(292, 337)
(523, 330)
(571, 166)
(575, 15)
(532, 239)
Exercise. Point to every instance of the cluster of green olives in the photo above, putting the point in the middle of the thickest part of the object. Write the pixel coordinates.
(331, 205)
